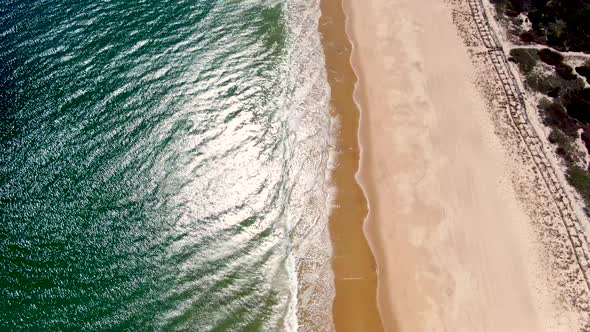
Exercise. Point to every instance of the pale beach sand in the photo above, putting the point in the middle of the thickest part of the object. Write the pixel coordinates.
(452, 215)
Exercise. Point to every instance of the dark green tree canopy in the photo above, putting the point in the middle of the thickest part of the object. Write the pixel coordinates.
(563, 24)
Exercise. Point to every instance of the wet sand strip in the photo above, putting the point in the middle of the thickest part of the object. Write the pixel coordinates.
(355, 304)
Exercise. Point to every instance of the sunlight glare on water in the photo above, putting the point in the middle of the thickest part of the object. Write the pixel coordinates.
(164, 165)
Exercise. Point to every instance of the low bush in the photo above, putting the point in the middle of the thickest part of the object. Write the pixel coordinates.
(566, 147)
(555, 116)
(525, 58)
(527, 36)
(552, 85)
(586, 138)
(584, 71)
(580, 180)
(558, 137)
(554, 93)
(564, 71)
(550, 57)
(545, 84)
(577, 104)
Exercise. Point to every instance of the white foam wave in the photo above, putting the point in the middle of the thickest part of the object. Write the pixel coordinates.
(312, 153)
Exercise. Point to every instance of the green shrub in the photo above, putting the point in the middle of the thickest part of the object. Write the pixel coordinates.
(584, 71)
(550, 57)
(564, 71)
(565, 145)
(500, 6)
(545, 84)
(525, 58)
(554, 93)
(555, 116)
(552, 85)
(580, 180)
(586, 137)
(577, 104)
(558, 137)
(527, 36)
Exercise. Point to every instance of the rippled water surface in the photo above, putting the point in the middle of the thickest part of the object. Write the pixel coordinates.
(163, 165)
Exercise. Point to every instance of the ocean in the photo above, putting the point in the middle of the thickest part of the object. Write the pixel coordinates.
(164, 165)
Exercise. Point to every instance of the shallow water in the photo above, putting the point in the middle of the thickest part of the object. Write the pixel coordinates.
(164, 165)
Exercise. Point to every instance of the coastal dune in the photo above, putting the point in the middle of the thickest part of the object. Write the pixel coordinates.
(453, 246)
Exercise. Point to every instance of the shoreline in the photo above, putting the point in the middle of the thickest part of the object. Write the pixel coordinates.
(355, 300)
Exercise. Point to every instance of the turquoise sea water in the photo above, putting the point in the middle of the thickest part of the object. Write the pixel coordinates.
(163, 165)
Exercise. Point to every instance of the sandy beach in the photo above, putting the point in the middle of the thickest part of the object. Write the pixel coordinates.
(454, 207)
